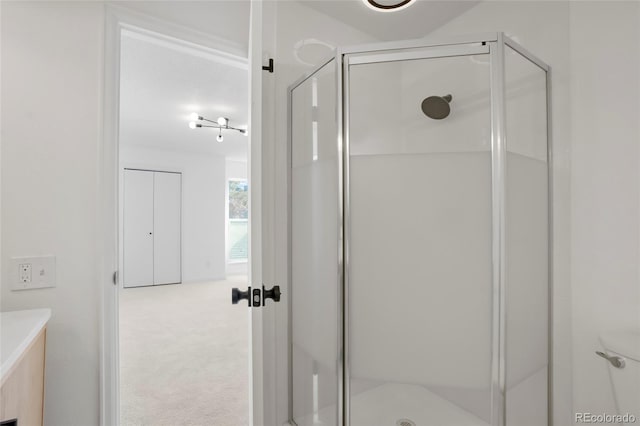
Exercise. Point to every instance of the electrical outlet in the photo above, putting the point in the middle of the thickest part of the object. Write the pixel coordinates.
(25, 273)
(33, 272)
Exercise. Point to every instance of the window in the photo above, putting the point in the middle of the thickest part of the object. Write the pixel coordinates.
(238, 236)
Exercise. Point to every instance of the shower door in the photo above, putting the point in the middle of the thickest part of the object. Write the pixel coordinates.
(315, 248)
(419, 237)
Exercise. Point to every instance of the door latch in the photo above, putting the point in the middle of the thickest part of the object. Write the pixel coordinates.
(255, 297)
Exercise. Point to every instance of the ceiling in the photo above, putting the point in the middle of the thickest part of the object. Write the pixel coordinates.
(416, 21)
(229, 19)
(163, 82)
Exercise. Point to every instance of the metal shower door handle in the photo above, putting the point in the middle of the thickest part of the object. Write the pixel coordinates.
(616, 361)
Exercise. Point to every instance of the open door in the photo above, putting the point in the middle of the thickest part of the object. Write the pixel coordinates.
(256, 350)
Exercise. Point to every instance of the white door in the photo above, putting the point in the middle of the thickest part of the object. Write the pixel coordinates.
(167, 227)
(138, 228)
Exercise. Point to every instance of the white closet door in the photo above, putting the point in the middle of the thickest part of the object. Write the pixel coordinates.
(167, 227)
(138, 228)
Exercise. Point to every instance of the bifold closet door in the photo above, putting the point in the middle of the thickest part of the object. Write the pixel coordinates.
(138, 228)
(167, 223)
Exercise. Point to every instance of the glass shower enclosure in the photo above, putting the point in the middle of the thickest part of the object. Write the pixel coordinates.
(420, 236)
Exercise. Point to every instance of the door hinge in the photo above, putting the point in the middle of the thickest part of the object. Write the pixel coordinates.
(115, 278)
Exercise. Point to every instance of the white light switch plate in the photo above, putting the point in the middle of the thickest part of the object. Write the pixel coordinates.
(27, 273)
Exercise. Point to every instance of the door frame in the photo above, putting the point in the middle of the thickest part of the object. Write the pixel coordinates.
(117, 19)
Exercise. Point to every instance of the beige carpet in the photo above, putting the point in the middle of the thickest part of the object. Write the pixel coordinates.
(184, 355)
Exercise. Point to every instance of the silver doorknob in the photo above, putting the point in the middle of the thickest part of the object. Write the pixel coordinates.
(616, 361)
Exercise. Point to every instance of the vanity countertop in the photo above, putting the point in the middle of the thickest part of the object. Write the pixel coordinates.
(18, 329)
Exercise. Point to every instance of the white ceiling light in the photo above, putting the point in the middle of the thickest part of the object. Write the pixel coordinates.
(222, 123)
(388, 5)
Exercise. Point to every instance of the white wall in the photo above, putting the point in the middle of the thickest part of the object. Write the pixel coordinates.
(605, 220)
(236, 169)
(52, 57)
(52, 75)
(203, 206)
(51, 132)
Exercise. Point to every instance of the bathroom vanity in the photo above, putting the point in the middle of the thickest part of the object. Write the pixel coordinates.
(22, 352)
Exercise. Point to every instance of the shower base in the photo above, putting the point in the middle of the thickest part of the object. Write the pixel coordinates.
(391, 403)
(388, 403)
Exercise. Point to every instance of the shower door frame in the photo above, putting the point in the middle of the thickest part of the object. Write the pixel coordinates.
(492, 44)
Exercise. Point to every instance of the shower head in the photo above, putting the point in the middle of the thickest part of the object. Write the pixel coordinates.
(437, 107)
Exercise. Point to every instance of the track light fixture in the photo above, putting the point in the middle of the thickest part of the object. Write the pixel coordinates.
(222, 123)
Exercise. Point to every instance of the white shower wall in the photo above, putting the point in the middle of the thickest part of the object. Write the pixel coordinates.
(420, 283)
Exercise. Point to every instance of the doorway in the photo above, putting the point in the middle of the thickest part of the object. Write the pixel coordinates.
(181, 357)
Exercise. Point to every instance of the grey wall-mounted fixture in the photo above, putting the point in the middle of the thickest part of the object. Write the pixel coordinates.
(616, 361)
(437, 107)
